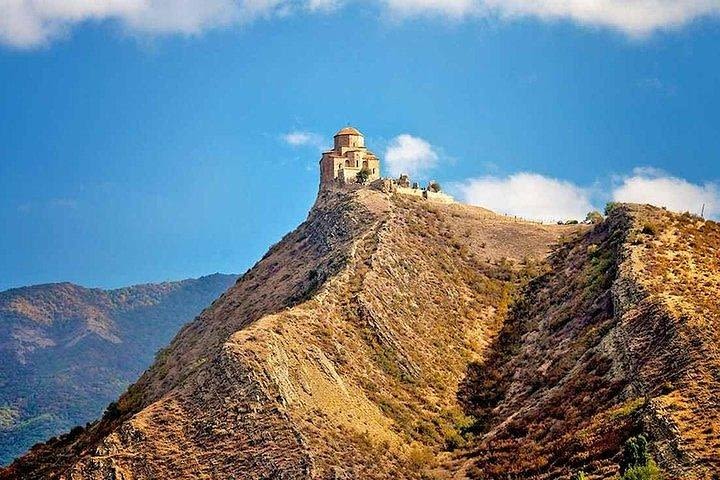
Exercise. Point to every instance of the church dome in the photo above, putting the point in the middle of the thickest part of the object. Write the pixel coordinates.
(349, 131)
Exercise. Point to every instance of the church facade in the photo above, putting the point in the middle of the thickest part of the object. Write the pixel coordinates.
(347, 159)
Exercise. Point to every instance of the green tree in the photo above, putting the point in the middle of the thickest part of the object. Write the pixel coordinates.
(610, 207)
(635, 453)
(363, 175)
(594, 217)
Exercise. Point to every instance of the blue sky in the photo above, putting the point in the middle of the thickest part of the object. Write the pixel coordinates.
(144, 142)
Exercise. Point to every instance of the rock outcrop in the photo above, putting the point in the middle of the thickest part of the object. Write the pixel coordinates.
(619, 338)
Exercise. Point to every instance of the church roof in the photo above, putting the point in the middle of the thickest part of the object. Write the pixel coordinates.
(349, 131)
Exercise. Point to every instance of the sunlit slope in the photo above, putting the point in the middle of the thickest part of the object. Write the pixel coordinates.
(338, 355)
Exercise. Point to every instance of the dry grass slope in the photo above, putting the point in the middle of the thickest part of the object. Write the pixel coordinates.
(619, 338)
(371, 341)
(337, 356)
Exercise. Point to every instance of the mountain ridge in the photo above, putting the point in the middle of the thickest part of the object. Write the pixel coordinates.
(388, 336)
(338, 322)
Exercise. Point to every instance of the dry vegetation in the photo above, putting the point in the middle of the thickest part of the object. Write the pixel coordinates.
(391, 337)
(620, 338)
(346, 341)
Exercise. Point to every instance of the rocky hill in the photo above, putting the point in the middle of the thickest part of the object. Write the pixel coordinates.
(66, 351)
(620, 338)
(392, 337)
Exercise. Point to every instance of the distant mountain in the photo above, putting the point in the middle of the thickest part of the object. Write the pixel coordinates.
(67, 351)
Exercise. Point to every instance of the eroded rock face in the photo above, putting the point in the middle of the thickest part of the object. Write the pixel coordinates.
(360, 345)
(616, 340)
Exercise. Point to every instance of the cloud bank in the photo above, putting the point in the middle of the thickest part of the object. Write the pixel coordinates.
(32, 23)
(636, 18)
(528, 195)
(454, 9)
(652, 186)
(410, 155)
(537, 197)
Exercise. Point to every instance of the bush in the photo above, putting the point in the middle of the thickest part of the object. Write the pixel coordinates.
(363, 175)
(635, 454)
(650, 228)
(647, 472)
(594, 217)
(433, 186)
(580, 476)
(420, 457)
(610, 207)
(75, 432)
(112, 412)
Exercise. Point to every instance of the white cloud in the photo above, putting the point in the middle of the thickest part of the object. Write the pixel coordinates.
(410, 155)
(527, 195)
(636, 18)
(304, 139)
(324, 5)
(651, 186)
(31, 23)
(447, 8)
(633, 17)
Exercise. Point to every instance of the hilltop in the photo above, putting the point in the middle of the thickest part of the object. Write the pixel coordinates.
(67, 351)
(346, 341)
(389, 336)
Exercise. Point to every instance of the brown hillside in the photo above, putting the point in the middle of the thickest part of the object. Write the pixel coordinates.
(619, 338)
(338, 355)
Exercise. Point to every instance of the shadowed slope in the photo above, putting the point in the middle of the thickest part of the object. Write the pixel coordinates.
(619, 338)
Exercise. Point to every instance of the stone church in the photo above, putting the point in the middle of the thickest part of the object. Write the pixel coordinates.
(347, 158)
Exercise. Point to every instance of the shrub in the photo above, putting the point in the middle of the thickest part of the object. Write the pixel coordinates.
(649, 228)
(112, 412)
(420, 457)
(580, 476)
(594, 217)
(610, 207)
(454, 441)
(363, 175)
(74, 433)
(627, 408)
(635, 453)
(433, 186)
(646, 472)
